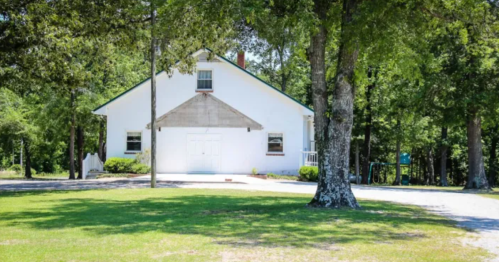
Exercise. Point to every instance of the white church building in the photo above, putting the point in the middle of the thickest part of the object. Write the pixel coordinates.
(221, 119)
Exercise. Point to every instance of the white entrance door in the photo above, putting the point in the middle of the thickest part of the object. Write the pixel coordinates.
(203, 152)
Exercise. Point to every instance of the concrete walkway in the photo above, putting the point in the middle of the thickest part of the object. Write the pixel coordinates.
(471, 211)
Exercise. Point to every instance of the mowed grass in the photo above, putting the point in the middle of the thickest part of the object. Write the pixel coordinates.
(7, 175)
(458, 189)
(217, 225)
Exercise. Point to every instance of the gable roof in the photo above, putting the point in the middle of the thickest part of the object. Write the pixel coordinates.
(222, 58)
(205, 110)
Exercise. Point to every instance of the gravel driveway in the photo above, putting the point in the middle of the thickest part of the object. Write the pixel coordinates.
(471, 211)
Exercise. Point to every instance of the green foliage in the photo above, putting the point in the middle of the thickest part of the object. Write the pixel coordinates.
(309, 173)
(275, 176)
(144, 157)
(119, 165)
(140, 168)
(254, 171)
(17, 168)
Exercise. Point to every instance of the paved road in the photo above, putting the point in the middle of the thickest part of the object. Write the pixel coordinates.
(471, 211)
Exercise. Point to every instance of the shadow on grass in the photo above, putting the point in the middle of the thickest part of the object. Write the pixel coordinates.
(268, 221)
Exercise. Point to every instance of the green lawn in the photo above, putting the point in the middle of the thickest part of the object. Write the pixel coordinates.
(217, 225)
(494, 194)
(17, 176)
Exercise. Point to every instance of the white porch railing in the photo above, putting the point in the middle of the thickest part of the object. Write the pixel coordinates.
(92, 163)
(309, 158)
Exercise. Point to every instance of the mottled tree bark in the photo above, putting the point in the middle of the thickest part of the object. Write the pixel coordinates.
(81, 140)
(443, 158)
(27, 171)
(72, 138)
(430, 179)
(476, 171)
(366, 154)
(333, 133)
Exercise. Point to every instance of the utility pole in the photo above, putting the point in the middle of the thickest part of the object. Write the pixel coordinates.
(153, 98)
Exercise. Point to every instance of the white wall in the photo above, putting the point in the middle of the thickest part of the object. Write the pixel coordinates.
(241, 150)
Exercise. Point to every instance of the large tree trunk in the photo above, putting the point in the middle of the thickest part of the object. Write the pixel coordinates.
(443, 158)
(476, 171)
(102, 126)
(333, 189)
(72, 139)
(430, 179)
(366, 154)
(27, 172)
(397, 155)
(81, 141)
(153, 98)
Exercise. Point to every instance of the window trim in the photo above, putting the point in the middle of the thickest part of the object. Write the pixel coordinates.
(126, 141)
(212, 80)
(274, 153)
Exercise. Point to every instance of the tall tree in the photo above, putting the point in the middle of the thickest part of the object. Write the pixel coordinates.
(333, 131)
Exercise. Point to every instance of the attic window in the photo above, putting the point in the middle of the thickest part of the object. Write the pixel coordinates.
(205, 80)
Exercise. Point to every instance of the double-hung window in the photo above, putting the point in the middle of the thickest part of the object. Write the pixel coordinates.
(275, 143)
(205, 81)
(133, 141)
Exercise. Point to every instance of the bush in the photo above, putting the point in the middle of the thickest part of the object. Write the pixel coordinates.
(140, 169)
(119, 165)
(309, 173)
(17, 168)
(275, 176)
(254, 171)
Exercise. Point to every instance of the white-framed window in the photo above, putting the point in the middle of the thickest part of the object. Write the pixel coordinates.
(275, 143)
(133, 141)
(205, 80)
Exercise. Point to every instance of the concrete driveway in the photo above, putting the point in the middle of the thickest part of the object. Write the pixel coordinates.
(471, 211)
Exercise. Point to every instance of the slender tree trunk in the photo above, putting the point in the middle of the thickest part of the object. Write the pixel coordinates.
(411, 166)
(333, 189)
(81, 141)
(451, 170)
(430, 179)
(476, 171)
(397, 155)
(72, 139)
(153, 98)
(494, 139)
(284, 78)
(102, 126)
(367, 131)
(27, 172)
(443, 158)
(357, 180)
